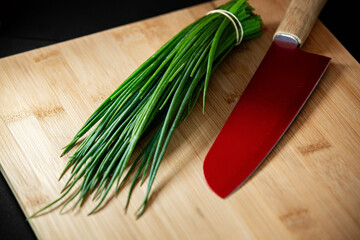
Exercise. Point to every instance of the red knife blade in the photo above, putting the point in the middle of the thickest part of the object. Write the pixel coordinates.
(275, 95)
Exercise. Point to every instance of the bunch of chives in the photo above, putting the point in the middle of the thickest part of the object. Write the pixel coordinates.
(159, 94)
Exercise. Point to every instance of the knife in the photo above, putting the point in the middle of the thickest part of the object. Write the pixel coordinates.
(278, 90)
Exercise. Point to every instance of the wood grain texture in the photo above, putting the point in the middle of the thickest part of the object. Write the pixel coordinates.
(300, 18)
(307, 188)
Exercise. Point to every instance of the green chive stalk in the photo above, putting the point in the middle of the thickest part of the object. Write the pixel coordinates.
(158, 95)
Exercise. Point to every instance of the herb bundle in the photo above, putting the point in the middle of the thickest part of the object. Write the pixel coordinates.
(159, 94)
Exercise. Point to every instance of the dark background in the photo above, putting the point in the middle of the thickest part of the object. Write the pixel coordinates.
(26, 25)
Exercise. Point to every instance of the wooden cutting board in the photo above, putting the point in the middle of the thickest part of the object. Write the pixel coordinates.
(307, 188)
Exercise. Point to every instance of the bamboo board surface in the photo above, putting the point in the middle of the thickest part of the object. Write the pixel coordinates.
(307, 188)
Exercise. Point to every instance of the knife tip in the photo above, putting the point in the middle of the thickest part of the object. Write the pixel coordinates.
(219, 191)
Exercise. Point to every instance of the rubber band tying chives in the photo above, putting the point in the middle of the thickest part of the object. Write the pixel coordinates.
(231, 17)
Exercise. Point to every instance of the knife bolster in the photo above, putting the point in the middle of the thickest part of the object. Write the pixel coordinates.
(286, 38)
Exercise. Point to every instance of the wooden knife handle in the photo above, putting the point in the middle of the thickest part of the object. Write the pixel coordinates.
(299, 19)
